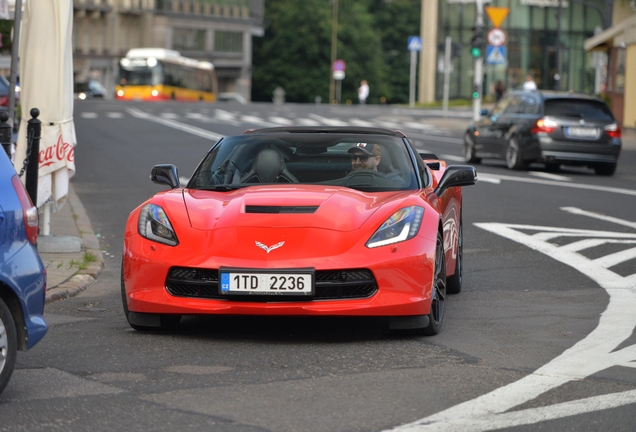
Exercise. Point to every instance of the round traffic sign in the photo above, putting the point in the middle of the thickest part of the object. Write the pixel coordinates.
(496, 37)
(338, 65)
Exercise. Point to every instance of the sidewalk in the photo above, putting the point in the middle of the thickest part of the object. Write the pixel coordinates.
(72, 256)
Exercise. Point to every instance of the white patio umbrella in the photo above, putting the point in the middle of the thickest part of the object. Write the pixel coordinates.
(46, 82)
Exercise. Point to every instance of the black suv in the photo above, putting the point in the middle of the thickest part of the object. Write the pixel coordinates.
(556, 128)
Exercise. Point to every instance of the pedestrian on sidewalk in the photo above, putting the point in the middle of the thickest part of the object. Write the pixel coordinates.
(363, 92)
(499, 90)
(529, 85)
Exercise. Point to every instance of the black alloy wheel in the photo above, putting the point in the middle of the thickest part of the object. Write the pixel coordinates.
(454, 282)
(469, 149)
(513, 155)
(438, 302)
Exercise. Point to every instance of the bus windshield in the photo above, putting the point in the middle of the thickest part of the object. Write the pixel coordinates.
(135, 75)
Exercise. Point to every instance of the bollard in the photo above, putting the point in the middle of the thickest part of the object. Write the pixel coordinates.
(34, 129)
(5, 132)
(279, 96)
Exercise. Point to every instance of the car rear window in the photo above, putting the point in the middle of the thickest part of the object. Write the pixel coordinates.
(579, 108)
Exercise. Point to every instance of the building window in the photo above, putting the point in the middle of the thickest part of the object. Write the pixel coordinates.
(184, 39)
(225, 41)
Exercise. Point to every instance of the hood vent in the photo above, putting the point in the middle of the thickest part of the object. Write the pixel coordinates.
(280, 209)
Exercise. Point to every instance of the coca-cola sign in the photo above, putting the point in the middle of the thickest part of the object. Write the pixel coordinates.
(60, 151)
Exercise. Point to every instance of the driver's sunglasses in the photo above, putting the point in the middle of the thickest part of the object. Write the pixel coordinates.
(363, 158)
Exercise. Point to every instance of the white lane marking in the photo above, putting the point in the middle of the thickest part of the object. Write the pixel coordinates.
(596, 352)
(616, 258)
(622, 191)
(198, 116)
(174, 124)
(578, 211)
(281, 120)
(327, 121)
(225, 117)
(256, 120)
(361, 123)
(549, 176)
(115, 115)
(307, 122)
(388, 125)
(416, 125)
(88, 115)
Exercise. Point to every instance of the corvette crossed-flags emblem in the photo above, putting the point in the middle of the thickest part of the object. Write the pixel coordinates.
(271, 248)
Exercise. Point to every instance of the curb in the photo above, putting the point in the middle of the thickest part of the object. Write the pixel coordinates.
(82, 279)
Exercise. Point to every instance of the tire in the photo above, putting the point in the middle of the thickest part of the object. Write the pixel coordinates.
(8, 345)
(469, 149)
(167, 322)
(438, 302)
(454, 282)
(513, 155)
(605, 169)
(552, 167)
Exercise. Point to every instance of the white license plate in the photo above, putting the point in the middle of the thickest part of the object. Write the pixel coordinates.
(582, 132)
(272, 283)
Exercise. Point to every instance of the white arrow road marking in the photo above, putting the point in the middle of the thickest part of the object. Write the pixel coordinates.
(594, 353)
(575, 210)
(622, 191)
(175, 124)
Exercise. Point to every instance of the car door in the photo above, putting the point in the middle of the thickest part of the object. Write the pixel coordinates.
(505, 124)
(487, 128)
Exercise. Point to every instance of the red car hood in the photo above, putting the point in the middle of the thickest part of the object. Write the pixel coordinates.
(338, 209)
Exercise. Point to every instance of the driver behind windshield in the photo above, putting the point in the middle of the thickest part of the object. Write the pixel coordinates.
(368, 156)
(365, 156)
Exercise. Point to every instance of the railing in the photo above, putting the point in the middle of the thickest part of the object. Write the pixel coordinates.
(240, 9)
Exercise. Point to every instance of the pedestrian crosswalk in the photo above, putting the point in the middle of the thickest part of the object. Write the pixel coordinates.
(224, 117)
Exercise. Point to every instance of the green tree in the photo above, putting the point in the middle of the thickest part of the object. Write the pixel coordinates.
(295, 52)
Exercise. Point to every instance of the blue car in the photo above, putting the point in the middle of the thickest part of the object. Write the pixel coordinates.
(22, 273)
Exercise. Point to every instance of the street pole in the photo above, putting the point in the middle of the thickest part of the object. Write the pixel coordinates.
(479, 62)
(334, 46)
(559, 73)
(447, 66)
(412, 78)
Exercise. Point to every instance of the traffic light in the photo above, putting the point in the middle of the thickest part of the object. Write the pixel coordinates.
(477, 42)
(475, 92)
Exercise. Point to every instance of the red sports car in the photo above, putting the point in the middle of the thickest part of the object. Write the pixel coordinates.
(300, 221)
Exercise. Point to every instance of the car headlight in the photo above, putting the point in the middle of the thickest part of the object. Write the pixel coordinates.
(401, 226)
(154, 225)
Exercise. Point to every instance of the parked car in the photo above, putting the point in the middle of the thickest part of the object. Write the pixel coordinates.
(89, 90)
(22, 273)
(300, 221)
(555, 128)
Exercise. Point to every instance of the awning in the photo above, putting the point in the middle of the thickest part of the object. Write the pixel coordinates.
(609, 34)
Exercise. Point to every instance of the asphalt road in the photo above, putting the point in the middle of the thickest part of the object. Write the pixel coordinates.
(541, 337)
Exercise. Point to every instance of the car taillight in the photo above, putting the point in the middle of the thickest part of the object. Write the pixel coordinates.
(613, 130)
(544, 125)
(4, 100)
(29, 211)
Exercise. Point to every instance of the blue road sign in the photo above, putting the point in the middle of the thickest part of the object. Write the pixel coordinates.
(495, 54)
(415, 43)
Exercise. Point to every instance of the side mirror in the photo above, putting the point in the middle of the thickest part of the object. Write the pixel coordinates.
(456, 175)
(483, 112)
(165, 174)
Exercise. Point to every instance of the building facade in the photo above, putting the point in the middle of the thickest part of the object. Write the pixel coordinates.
(531, 46)
(618, 45)
(219, 31)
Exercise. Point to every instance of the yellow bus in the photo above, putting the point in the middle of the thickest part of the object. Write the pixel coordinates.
(157, 74)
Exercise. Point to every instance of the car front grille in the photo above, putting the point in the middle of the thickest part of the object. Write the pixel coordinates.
(330, 285)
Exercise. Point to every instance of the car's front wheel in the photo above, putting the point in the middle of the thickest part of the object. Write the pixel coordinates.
(438, 302)
(8, 345)
(514, 161)
(469, 149)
